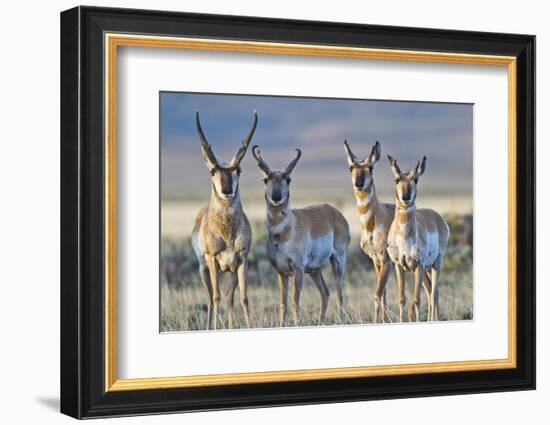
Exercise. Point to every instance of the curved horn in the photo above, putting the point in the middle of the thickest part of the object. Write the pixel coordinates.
(291, 166)
(352, 159)
(244, 145)
(394, 167)
(261, 163)
(207, 154)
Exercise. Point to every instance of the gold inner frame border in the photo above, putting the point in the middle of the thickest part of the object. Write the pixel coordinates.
(113, 40)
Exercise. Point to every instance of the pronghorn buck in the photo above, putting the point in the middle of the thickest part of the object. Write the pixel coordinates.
(221, 235)
(376, 218)
(416, 242)
(302, 240)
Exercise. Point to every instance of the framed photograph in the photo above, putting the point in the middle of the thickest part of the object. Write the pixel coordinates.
(261, 212)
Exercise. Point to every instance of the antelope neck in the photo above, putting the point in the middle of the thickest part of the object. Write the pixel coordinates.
(367, 204)
(279, 217)
(227, 206)
(406, 217)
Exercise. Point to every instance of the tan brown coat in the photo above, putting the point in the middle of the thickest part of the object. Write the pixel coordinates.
(416, 243)
(221, 235)
(302, 240)
(376, 218)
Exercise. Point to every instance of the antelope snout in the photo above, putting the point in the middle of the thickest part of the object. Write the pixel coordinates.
(227, 192)
(359, 182)
(276, 196)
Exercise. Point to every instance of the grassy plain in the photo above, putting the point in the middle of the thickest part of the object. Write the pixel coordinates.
(183, 299)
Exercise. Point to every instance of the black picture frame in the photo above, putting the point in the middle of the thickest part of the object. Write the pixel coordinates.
(83, 392)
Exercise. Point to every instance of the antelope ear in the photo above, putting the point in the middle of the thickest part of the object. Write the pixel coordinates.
(421, 167)
(349, 154)
(375, 154)
(394, 167)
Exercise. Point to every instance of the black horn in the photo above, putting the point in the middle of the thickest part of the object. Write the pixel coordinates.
(261, 163)
(244, 145)
(207, 154)
(291, 166)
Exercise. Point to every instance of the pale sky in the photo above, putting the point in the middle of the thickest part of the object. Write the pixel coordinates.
(406, 130)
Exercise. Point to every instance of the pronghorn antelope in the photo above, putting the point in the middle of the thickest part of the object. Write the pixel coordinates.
(416, 242)
(221, 235)
(302, 240)
(376, 218)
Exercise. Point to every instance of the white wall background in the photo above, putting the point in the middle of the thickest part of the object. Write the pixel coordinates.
(29, 213)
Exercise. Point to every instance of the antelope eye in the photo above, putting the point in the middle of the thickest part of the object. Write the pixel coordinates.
(350, 168)
(265, 180)
(397, 180)
(288, 180)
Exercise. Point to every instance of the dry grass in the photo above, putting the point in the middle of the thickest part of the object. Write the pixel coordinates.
(183, 299)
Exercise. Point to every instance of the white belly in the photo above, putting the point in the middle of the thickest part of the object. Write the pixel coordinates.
(409, 254)
(404, 252)
(309, 255)
(320, 252)
(431, 251)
